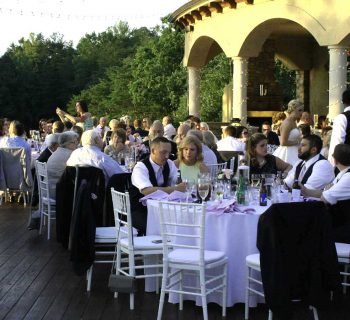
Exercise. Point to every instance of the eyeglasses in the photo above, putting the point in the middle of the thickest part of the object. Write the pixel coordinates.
(245, 133)
(265, 129)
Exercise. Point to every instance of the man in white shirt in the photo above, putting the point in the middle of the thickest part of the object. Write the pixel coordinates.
(229, 142)
(156, 172)
(341, 127)
(169, 130)
(102, 127)
(313, 171)
(209, 156)
(91, 155)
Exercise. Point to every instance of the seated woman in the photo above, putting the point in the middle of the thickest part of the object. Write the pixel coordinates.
(337, 196)
(210, 141)
(260, 161)
(190, 158)
(117, 146)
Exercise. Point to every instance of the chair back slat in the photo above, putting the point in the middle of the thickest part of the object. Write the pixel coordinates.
(122, 216)
(182, 225)
(43, 180)
(216, 168)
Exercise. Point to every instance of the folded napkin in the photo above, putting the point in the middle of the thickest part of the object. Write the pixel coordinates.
(227, 206)
(161, 195)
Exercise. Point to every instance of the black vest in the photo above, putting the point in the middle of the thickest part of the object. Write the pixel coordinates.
(308, 171)
(347, 137)
(136, 195)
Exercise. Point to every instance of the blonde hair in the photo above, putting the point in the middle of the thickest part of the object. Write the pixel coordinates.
(293, 105)
(187, 141)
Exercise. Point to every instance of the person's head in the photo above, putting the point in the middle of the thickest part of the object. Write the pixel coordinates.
(182, 131)
(166, 120)
(209, 139)
(49, 124)
(195, 133)
(113, 124)
(295, 108)
(78, 130)
(156, 130)
(256, 146)
(309, 147)
(57, 127)
(137, 123)
(278, 117)
(190, 150)
(242, 133)
(346, 97)
(146, 123)
(266, 128)
(102, 122)
(94, 121)
(68, 125)
(305, 129)
(122, 125)
(341, 154)
(91, 138)
(52, 141)
(230, 131)
(81, 106)
(68, 140)
(160, 150)
(196, 123)
(118, 136)
(16, 129)
(306, 118)
(2, 133)
(43, 125)
(204, 126)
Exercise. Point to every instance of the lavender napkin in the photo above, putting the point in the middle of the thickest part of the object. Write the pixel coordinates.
(161, 195)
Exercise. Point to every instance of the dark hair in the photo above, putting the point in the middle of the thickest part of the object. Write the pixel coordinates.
(266, 123)
(78, 130)
(346, 97)
(342, 154)
(68, 125)
(83, 105)
(50, 120)
(1, 127)
(230, 131)
(252, 142)
(18, 128)
(138, 123)
(239, 130)
(314, 141)
(305, 129)
(195, 119)
(120, 133)
(157, 141)
(121, 125)
(58, 126)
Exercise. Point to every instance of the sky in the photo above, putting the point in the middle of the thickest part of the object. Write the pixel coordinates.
(74, 18)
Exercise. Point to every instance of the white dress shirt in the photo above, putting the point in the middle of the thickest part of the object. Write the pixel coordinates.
(322, 174)
(209, 156)
(140, 175)
(338, 133)
(230, 144)
(101, 131)
(340, 189)
(93, 156)
(169, 131)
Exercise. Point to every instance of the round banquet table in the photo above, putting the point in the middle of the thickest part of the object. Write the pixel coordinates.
(233, 233)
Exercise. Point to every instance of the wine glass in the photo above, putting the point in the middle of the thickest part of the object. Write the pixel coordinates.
(190, 187)
(203, 188)
(255, 179)
(218, 190)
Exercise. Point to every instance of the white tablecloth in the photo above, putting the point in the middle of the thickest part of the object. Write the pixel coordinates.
(232, 233)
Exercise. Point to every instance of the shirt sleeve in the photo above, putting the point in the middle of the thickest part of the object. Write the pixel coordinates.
(322, 174)
(140, 177)
(110, 166)
(338, 134)
(339, 191)
(289, 180)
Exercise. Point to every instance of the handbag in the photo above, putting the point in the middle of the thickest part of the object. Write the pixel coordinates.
(119, 282)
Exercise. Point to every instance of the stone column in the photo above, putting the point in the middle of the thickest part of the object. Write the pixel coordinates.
(193, 91)
(337, 79)
(240, 81)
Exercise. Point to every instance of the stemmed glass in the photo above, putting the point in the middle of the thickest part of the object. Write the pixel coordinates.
(218, 190)
(203, 188)
(255, 179)
(190, 187)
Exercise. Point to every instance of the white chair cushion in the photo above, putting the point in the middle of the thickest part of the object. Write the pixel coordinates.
(191, 256)
(144, 243)
(253, 261)
(343, 250)
(109, 234)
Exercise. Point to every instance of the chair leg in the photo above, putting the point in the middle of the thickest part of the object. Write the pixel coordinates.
(48, 225)
(345, 277)
(181, 298)
(157, 259)
(246, 307)
(117, 267)
(89, 277)
(203, 293)
(270, 315)
(162, 291)
(132, 273)
(224, 291)
(314, 311)
(42, 217)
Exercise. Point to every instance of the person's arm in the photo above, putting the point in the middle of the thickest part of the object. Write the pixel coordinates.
(179, 187)
(203, 168)
(338, 135)
(60, 114)
(310, 192)
(283, 166)
(286, 128)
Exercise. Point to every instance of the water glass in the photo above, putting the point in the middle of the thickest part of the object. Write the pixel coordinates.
(203, 188)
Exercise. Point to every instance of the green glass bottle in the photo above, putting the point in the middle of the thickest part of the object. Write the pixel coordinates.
(241, 191)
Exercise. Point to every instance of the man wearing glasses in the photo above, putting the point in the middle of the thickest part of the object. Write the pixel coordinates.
(272, 137)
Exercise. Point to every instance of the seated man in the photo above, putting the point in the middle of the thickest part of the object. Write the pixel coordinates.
(313, 171)
(91, 155)
(272, 137)
(229, 142)
(338, 194)
(52, 144)
(156, 172)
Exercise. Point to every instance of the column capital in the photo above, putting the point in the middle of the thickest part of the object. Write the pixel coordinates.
(339, 47)
(237, 58)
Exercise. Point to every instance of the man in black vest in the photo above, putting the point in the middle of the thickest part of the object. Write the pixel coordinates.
(156, 172)
(313, 171)
(341, 126)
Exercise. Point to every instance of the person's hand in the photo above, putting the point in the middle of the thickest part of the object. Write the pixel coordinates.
(181, 187)
(328, 186)
(304, 190)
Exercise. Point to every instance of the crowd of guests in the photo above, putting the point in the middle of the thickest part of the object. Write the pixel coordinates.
(291, 144)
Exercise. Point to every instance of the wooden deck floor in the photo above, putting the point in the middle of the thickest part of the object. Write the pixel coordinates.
(37, 282)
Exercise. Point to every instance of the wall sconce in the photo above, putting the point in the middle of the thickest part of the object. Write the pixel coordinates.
(262, 89)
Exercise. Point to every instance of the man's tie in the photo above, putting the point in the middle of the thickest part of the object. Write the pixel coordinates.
(160, 178)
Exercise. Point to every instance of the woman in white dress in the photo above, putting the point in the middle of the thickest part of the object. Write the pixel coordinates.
(290, 134)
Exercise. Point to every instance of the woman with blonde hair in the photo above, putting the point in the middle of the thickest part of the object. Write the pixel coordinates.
(190, 158)
(290, 134)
